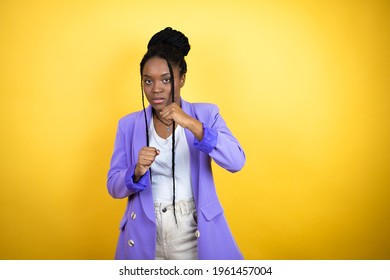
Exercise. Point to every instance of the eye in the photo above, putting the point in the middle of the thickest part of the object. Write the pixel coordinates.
(148, 82)
(166, 80)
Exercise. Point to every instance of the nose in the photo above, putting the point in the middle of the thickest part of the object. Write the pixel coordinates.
(156, 88)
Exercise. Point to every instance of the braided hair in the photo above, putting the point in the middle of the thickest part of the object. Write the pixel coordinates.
(172, 46)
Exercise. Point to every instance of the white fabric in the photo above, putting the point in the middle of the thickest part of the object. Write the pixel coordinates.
(162, 167)
(176, 241)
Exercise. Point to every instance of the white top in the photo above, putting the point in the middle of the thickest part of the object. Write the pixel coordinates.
(162, 185)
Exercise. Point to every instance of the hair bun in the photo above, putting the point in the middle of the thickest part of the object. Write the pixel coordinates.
(171, 37)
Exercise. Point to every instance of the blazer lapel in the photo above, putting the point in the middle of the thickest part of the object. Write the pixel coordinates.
(139, 140)
(194, 160)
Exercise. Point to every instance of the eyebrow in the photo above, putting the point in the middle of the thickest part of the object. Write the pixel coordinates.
(147, 76)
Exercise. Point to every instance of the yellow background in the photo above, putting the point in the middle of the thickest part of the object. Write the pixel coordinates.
(304, 86)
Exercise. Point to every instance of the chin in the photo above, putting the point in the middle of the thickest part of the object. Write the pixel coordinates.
(159, 107)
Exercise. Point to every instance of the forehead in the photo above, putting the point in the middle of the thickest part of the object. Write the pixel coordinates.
(157, 66)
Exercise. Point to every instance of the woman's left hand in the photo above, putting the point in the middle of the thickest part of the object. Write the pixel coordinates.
(175, 113)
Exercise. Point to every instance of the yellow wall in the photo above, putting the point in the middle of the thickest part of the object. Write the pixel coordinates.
(304, 85)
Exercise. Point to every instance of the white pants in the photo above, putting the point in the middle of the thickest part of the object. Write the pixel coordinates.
(176, 241)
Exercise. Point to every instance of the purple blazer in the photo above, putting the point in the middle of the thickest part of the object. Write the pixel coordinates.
(137, 238)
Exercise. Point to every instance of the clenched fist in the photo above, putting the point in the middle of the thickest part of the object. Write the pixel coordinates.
(146, 157)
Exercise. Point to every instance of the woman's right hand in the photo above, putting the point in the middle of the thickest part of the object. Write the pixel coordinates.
(146, 157)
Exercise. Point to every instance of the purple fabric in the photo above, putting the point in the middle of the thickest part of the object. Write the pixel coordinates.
(218, 144)
(209, 140)
(139, 186)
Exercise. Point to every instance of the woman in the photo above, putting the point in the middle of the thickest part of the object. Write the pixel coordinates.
(162, 164)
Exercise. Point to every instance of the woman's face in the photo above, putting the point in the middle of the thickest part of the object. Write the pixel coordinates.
(156, 81)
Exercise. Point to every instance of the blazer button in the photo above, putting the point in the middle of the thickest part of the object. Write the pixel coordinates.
(133, 215)
(130, 242)
(197, 233)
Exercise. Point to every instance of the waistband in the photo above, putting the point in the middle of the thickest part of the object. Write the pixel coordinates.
(183, 206)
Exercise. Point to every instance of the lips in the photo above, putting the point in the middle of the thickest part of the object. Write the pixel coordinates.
(157, 100)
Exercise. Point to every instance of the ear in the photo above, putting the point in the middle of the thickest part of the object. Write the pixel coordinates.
(182, 80)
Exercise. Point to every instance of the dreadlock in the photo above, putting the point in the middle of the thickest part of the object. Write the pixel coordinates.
(173, 46)
(146, 119)
(173, 143)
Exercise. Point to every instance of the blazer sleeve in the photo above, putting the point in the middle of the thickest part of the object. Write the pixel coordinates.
(218, 141)
(120, 182)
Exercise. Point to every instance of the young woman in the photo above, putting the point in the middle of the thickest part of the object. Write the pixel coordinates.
(162, 164)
